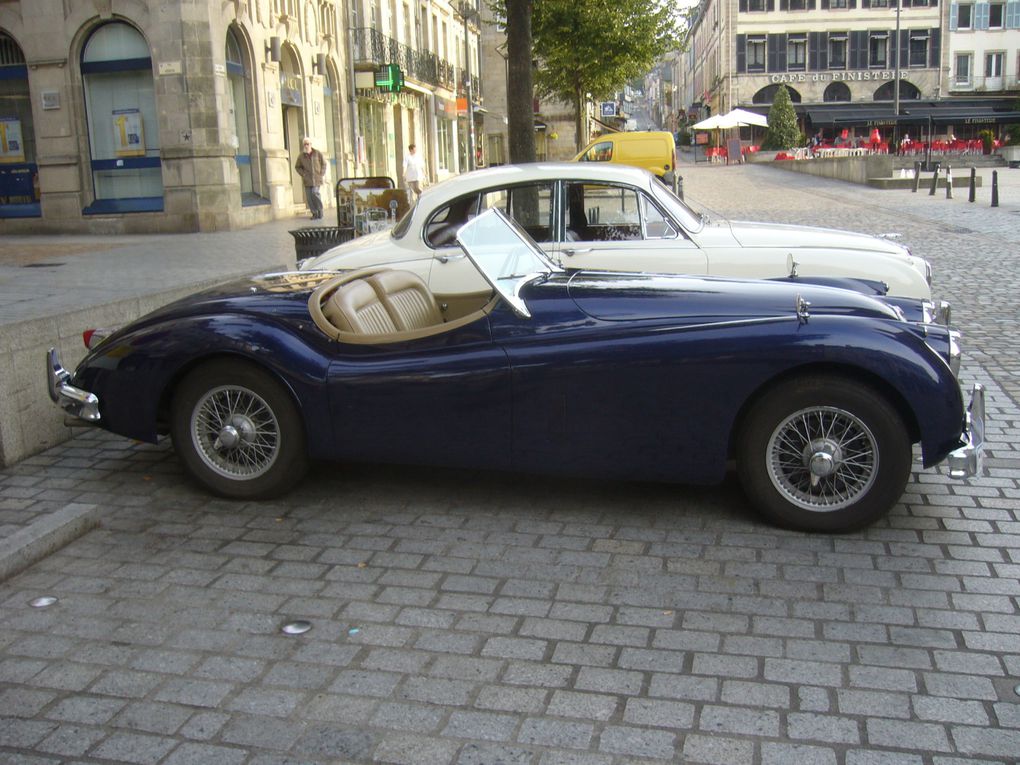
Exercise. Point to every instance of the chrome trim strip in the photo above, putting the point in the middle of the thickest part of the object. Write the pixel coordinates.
(75, 401)
(966, 460)
(955, 352)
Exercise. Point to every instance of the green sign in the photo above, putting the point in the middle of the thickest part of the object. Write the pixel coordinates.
(389, 78)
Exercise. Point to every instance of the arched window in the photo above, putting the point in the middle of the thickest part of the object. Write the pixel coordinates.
(837, 91)
(238, 84)
(123, 129)
(767, 95)
(908, 92)
(19, 186)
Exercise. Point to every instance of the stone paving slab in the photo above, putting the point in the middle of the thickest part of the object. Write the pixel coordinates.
(472, 617)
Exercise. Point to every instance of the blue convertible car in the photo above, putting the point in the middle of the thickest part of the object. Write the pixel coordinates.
(817, 393)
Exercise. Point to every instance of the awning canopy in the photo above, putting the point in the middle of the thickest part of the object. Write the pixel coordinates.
(947, 112)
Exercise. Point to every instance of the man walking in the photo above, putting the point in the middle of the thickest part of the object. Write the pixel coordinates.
(311, 166)
(414, 172)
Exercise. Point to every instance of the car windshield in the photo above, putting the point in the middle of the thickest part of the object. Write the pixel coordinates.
(504, 254)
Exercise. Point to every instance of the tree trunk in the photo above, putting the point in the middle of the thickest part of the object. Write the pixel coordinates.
(520, 95)
(580, 134)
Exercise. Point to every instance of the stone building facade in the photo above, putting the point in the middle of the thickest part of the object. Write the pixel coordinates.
(157, 115)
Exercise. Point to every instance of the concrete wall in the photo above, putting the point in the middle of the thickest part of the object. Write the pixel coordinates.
(29, 421)
(849, 169)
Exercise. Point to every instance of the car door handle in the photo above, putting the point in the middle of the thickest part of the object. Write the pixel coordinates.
(577, 251)
(448, 258)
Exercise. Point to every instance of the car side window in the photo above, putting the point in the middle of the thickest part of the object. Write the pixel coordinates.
(656, 224)
(442, 228)
(601, 213)
(600, 152)
(531, 207)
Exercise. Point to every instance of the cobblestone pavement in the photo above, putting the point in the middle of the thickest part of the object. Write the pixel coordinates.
(478, 618)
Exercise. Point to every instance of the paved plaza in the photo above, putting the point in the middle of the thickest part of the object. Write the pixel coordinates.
(477, 618)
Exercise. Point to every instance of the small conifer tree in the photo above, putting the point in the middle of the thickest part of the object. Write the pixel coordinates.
(782, 132)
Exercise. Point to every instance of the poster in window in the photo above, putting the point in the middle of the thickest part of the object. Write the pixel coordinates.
(128, 137)
(12, 147)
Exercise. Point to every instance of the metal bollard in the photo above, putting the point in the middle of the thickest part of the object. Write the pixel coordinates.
(917, 176)
(949, 181)
(973, 184)
(680, 187)
(995, 188)
(934, 182)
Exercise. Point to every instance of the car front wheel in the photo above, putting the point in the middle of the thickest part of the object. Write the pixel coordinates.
(823, 454)
(238, 432)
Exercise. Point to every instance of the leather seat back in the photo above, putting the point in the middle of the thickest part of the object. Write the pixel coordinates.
(356, 307)
(407, 299)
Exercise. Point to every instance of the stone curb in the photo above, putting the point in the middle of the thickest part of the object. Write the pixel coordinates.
(47, 535)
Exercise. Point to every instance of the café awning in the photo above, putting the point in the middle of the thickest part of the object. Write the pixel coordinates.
(913, 112)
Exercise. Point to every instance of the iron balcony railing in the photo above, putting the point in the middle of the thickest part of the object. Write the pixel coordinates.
(372, 47)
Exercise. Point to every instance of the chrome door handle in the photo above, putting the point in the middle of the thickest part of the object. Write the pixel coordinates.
(448, 258)
(578, 251)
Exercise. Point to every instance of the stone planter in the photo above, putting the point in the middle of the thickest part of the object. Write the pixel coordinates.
(1011, 154)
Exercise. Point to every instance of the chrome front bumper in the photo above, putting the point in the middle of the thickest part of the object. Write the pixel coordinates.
(75, 401)
(965, 461)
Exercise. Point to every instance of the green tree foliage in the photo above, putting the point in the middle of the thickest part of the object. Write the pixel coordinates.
(782, 132)
(596, 46)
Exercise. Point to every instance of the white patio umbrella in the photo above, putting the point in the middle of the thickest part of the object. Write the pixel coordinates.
(744, 117)
(715, 122)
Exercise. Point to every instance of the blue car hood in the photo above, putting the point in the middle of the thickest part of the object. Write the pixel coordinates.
(629, 297)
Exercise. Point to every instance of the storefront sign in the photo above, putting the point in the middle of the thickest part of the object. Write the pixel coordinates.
(865, 76)
(290, 90)
(128, 135)
(12, 147)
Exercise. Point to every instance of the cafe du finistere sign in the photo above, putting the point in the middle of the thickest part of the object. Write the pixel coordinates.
(876, 75)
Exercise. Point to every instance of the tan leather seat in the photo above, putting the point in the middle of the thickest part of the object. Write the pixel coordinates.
(407, 299)
(356, 307)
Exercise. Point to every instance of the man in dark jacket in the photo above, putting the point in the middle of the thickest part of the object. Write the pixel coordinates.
(311, 166)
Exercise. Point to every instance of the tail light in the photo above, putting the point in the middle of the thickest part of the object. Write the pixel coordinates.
(93, 337)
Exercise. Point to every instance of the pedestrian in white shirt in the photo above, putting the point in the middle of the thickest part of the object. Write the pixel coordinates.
(414, 171)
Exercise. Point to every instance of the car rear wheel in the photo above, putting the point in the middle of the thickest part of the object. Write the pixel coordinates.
(238, 431)
(823, 454)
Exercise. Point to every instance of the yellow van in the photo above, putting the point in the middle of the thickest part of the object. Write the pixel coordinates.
(654, 151)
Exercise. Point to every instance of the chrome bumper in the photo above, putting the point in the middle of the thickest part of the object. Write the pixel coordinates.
(965, 461)
(75, 401)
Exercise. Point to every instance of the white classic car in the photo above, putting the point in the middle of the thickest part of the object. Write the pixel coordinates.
(615, 218)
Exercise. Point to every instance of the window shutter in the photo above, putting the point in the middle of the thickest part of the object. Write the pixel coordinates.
(858, 50)
(772, 5)
(981, 12)
(851, 4)
(811, 5)
(934, 52)
(904, 48)
(954, 11)
(784, 5)
(865, 3)
(742, 7)
(777, 53)
(818, 51)
(825, 5)
(1013, 15)
(741, 53)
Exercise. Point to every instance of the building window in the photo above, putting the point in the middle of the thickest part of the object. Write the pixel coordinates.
(120, 104)
(837, 3)
(798, 5)
(964, 14)
(837, 52)
(756, 54)
(995, 15)
(444, 144)
(962, 73)
(880, 3)
(756, 5)
(238, 82)
(836, 91)
(796, 54)
(878, 46)
(918, 49)
(993, 64)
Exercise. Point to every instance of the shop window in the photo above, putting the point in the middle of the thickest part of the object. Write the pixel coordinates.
(19, 177)
(962, 73)
(836, 91)
(238, 87)
(331, 103)
(123, 130)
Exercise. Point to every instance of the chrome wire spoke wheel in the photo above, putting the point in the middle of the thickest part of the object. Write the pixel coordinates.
(235, 432)
(822, 458)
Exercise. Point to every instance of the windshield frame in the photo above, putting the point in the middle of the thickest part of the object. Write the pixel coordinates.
(494, 225)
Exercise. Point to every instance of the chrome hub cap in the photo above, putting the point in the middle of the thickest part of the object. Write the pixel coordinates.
(822, 458)
(235, 432)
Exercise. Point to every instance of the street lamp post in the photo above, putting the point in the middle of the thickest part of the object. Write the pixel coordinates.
(467, 11)
(896, 74)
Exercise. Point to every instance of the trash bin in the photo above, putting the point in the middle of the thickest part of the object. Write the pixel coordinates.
(315, 240)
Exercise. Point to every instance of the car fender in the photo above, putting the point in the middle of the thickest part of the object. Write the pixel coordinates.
(134, 374)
